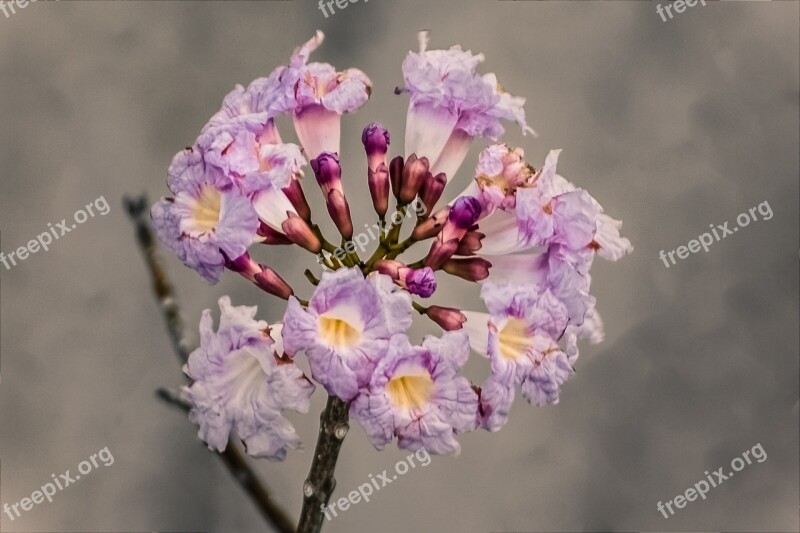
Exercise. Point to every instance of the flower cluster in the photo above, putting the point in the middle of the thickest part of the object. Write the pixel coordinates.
(526, 234)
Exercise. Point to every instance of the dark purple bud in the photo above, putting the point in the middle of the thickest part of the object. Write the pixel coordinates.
(268, 280)
(421, 282)
(415, 173)
(440, 252)
(396, 174)
(432, 226)
(470, 243)
(379, 189)
(470, 268)
(448, 318)
(465, 213)
(376, 143)
(339, 210)
(328, 172)
(431, 190)
(299, 232)
(294, 192)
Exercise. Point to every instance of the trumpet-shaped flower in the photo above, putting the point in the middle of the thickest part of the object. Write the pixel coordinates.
(242, 385)
(345, 329)
(321, 95)
(207, 220)
(416, 395)
(451, 104)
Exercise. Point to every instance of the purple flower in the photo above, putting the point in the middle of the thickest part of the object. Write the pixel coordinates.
(416, 395)
(518, 335)
(554, 211)
(345, 329)
(253, 165)
(564, 275)
(321, 96)
(451, 104)
(500, 172)
(241, 385)
(207, 220)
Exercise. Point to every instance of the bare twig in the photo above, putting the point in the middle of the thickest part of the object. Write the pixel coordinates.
(139, 211)
(238, 466)
(317, 490)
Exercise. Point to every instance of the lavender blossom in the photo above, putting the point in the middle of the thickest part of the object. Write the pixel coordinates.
(416, 395)
(242, 385)
(345, 329)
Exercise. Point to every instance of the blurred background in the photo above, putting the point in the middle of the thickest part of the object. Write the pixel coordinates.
(672, 126)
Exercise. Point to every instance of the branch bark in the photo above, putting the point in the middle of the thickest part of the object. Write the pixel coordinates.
(317, 490)
(234, 459)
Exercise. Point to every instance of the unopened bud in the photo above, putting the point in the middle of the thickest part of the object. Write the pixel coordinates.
(415, 173)
(468, 268)
(448, 318)
(339, 211)
(431, 190)
(268, 280)
(432, 226)
(300, 233)
(375, 138)
(294, 192)
(379, 189)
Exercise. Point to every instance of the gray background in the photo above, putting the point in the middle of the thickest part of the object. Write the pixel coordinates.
(672, 126)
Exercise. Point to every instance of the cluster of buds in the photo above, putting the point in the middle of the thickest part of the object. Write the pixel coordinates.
(527, 236)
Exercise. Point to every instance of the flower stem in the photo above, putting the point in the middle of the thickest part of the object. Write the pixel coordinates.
(318, 487)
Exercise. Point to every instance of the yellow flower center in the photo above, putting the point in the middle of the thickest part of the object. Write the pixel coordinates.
(515, 340)
(207, 209)
(337, 332)
(410, 391)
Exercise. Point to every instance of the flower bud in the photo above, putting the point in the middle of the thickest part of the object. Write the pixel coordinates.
(375, 138)
(339, 210)
(463, 215)
(421, 282)
(294, 192)
(440, 252)
(468, 268)
(470, 243)
(272, 236)
(432, 226)
(431, 191)
(268, 280)
(448, 318)
(243, 265)
(299, 232)
(389, 267)
(415, 173)
(396, 175)
(379, 189)
(328, 172)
